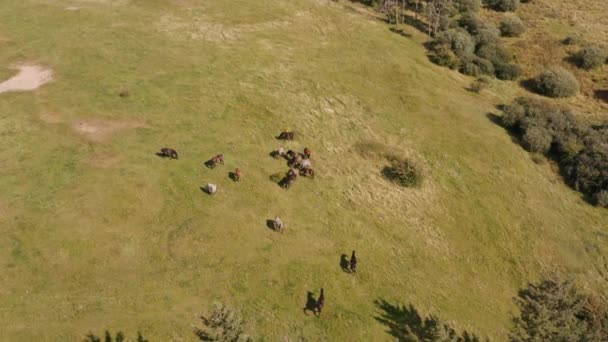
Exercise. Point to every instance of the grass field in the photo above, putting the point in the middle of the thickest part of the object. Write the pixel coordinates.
(99, 233)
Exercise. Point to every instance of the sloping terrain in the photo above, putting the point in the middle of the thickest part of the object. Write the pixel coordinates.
(97, 232)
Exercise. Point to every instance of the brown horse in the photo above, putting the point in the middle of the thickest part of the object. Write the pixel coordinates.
(286, 136)
(219, 159)
(237, 175)
(292, 174)
(320, 302)
(168, 152)
(307, 153)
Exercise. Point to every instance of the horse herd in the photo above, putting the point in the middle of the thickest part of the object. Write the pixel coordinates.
(299, 165)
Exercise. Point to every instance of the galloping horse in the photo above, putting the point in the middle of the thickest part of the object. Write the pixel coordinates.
(168, 152)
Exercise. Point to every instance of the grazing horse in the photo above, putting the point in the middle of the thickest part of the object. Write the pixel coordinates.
(168, 152)
(210, 188)
(291, 154)
(307, 153)
(320, 302)
(219, 159)
(307, 172)
(286, 136)
(279, 153)
(353, 263)
(292, 174)
(286, 182)
(237, 175)
(296, 161)
(277, 224)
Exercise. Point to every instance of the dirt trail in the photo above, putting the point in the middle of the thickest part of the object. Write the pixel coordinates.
(30, 77)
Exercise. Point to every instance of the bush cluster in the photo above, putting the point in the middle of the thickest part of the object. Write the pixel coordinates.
(582, 151)
(474, 49)
(556, 81)
(590, 57)
(403, 172)
(512, 26)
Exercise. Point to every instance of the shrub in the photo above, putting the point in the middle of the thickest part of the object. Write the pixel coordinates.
(470, 68)
(557, 82)
(444, 56)
(480, 84)
(537, 140)
(485, 66)
(486, 36)
(459, 41)
(512, 26)
(471, 22)
(601, 198)
(468, 6)
(496, 53)
(222, 324)
(403, 172)
(513, 114)
(590, 57)
(507, 71)
(503, 5)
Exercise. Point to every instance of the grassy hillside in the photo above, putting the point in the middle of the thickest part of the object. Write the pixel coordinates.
(99, 233)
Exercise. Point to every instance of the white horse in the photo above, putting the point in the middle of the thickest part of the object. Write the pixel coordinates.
(210, 188)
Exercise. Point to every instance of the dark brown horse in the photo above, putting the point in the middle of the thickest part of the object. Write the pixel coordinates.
(320, 302)
(353, 263)
(286, 136)
(166, 152)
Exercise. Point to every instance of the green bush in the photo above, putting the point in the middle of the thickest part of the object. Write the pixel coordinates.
(485, 66)
(487, 36)
(459, 41)
(444, 56)
(471, 22)
(513, 114)
(496, 53)
(507, 71)
(468, 6)
(470, 68)
(590, 57)
(557, 82)
(537, 140)
(512, 26)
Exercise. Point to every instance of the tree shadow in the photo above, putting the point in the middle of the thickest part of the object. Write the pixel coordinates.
(415, 23)
(311, 303)
(406, 324)
(344, 263)
(530, 85)
(497, 119)
(400, 32)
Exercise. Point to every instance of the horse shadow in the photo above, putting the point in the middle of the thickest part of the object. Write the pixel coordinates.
(162, 155)
(270, 224)
(209, 164)
(311, 304)
(285, 183)
(203, 189)
(232, 176)
(344, 263)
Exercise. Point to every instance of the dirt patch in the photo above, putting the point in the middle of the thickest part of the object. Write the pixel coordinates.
(72, 8)
(99, 130)
(30, 77)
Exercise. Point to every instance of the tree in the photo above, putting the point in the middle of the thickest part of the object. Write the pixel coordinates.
(555, 310)
(438, 15)
(222, 324)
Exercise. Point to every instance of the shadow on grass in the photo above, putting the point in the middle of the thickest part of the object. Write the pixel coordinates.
(311, 303)
(344, 263)
(406, 324)
(601, 94)
(400, 32)
(530, 85)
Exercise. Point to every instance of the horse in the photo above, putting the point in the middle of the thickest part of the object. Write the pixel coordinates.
(277, 224)
(219, 159)
(168, 152)
(320, 302)
(307, 172)
(292, 174)
(296, 161)
(353, 263)
(290, 154)
(286, 136)
(307, 153)
(236, 176)
(279, 153)
(210, 188)
(286, 182)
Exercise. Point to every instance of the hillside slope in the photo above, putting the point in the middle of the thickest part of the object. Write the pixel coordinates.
(99, 233)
